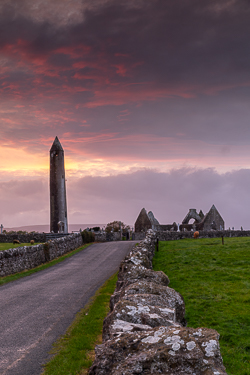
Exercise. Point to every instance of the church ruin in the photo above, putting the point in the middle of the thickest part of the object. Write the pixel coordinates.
(210, 221)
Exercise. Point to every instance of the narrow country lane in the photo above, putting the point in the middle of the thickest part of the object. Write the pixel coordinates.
(37, 309)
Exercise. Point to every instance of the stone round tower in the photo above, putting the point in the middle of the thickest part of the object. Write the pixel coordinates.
(58, 203)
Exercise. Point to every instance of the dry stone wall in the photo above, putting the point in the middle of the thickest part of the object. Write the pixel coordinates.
(145, 332)
(27, 257)
(169, 236)
(23, 238)
(103, 236)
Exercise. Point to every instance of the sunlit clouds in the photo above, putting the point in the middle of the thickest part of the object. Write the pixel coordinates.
(128, 86)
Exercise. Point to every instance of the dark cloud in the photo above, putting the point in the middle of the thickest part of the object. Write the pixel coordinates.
(160, 69)
(189, 45)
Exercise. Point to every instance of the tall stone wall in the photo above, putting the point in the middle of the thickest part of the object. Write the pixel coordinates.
(27, 257)
(145, 332)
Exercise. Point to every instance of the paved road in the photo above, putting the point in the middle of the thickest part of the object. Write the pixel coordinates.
(37, 309)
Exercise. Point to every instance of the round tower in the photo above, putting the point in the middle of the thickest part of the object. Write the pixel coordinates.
(58, 203)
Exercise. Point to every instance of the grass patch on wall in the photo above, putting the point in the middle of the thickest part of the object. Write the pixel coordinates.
(214, 280)
(74, 352)
(7, 246)
(16, 276)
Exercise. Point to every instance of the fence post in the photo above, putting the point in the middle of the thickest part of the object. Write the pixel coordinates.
(157, 244)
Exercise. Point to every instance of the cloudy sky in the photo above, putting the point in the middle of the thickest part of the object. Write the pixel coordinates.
(149, 98)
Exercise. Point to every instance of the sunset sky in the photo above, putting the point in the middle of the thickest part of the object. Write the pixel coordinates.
(150, 101)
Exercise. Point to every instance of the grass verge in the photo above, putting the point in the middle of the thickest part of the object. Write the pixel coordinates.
(214, 280)
(16, 276)
(74, 352)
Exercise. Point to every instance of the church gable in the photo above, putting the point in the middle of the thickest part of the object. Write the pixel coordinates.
(143, 222)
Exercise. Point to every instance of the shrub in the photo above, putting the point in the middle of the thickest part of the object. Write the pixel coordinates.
(87, 236)
(46, 251)
(115, 226)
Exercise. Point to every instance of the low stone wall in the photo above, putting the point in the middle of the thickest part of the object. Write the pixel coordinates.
(27, 257)
(23, 238)
(169, 236)
(145, 333)
(139, 236)
(103, 237)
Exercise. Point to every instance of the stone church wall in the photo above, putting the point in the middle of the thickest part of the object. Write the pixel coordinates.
(145, 332)
(213, 216)
(27, 257)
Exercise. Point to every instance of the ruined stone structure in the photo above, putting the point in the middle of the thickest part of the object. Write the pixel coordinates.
(58, 204)
(153, 220)
(143, 222)
(211, 221)
(147, 221)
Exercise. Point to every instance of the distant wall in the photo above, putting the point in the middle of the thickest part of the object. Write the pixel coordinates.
(27, 257)
(23, 238)
(139, 236)
(103, 237)
(169, 236)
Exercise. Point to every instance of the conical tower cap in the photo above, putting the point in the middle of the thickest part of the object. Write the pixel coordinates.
(56, 145)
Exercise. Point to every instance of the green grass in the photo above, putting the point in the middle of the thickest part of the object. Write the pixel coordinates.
(214, 280)
(74, 352)
(16, 276)
(7, 246)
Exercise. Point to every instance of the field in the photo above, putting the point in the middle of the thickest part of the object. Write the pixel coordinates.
(214, 280)
(6, 246)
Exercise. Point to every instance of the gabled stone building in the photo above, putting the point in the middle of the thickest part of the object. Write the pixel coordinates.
(213, 220)
(147, 221)
(143, 222)
(210, 221)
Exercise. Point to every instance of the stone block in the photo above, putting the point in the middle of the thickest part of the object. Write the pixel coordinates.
(168, 297)
(162, 350)
(138, 313)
